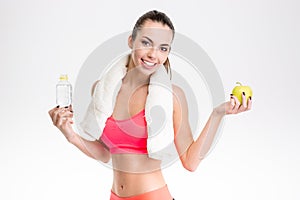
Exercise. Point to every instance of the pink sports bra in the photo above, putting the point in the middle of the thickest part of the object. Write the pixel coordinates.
(126, 136)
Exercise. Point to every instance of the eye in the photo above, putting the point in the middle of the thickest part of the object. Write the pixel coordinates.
(164, 49)
(145, 43)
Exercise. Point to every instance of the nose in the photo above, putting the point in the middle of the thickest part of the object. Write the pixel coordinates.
(152, 52)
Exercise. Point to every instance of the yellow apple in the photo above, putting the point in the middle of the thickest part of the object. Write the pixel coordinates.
(238, 91)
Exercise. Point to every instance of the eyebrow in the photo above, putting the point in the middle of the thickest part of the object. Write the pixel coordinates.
(152, 41)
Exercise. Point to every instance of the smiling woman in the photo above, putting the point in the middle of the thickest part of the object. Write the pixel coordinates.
(151, 45)
(126, 132)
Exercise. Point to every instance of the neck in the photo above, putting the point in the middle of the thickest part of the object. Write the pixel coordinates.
(134, 77)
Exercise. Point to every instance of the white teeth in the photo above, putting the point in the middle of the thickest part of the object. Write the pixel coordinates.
(148, 63)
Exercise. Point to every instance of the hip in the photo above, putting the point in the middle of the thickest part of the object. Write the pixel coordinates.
(160, 193)
(130, 184)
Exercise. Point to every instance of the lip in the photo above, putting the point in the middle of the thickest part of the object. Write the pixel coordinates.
(147, 66)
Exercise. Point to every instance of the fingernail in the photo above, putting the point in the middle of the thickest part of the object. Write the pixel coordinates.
(244, 93)
(71, 111)
(66, 106)
(250, 98)
(57, 106)
(231, 94)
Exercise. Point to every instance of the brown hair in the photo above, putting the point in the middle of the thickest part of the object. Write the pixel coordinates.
(155, 16)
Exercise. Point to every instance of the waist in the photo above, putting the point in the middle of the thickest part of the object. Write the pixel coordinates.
(135, 163)
(132, 185)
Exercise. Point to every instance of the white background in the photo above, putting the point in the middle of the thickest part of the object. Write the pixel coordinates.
(255, 42)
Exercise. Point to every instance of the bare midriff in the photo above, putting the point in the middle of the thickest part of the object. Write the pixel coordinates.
(136, 174)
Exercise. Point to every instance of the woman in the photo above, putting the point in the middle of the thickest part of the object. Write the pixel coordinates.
(136, 175)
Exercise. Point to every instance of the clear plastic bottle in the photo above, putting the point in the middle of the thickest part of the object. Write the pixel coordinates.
(63, 91)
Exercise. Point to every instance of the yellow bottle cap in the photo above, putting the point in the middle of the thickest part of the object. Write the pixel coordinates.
(63, 77)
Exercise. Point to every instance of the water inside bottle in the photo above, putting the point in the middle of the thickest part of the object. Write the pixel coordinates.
(63, 95)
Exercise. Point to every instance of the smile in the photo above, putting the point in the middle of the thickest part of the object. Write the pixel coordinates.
(148, 64)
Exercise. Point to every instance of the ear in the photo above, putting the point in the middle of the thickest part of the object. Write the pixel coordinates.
(130, 42)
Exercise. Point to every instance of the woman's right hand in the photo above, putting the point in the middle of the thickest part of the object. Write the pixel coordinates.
(62, 119)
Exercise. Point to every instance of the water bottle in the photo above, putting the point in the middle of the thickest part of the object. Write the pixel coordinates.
(63, 91)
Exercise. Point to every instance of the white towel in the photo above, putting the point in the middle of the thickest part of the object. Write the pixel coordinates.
(158, 109)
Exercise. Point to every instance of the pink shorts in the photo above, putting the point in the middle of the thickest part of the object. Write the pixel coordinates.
(159, 194)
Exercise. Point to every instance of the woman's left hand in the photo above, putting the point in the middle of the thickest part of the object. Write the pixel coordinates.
(234, 106)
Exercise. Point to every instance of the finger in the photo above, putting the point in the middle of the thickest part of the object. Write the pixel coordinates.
(65, 114)
(249, 103)
(232, 102)
(231, 105)
(58, 114)
(71, 108)
(243, 105)
(55, 116)
(237, 104)
(59, 122)
(244, 100)
(65, 123)
(52, 110)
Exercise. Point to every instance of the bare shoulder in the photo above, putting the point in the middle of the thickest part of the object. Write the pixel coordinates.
(178, 92)
(179, 99)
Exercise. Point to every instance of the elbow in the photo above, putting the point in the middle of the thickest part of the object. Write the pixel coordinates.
(191, 164)
(103, 160)
(103, 157)
(106, 159)
(190, 167)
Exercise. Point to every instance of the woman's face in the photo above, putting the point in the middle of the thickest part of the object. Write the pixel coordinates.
(151, 46)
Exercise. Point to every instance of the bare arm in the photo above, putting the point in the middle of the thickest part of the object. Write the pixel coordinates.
(192, 152)
(62, 119)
